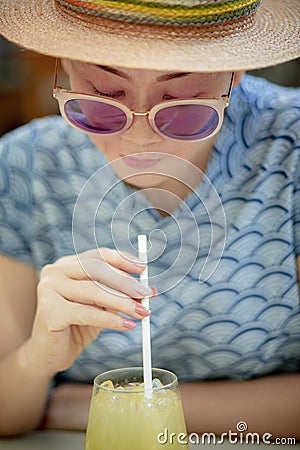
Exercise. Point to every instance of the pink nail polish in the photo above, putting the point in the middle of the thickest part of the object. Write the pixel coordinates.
(154, 290)
(140, 309)
(139, 262)
(128, 324)
(142, 290)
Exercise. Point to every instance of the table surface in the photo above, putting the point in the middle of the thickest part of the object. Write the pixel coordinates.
(57, 440)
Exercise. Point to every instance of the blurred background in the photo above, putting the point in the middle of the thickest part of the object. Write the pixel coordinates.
(26, 80)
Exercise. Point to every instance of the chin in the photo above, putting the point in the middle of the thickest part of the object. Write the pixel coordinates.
(144, 181)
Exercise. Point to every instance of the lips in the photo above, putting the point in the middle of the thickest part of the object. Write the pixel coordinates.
(141, 161)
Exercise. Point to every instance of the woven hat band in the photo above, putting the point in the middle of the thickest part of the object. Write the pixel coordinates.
(165, 12)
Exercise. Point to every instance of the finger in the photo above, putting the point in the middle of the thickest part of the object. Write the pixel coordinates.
(98, 295)
(122, 260)
(86, 315)
(53, 277)
(115, 279)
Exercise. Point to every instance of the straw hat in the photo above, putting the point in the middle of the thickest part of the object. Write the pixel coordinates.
(193, 35)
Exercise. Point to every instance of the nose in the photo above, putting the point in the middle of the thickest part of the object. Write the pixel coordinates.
(140, 132)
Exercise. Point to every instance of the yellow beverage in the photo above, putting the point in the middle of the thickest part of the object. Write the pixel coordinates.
(125, 419)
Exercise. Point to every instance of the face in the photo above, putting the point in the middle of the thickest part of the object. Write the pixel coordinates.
(139, 155)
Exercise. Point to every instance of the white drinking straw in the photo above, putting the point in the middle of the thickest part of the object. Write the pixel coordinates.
(146, 338)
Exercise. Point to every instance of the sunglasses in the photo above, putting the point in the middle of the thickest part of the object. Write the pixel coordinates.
(193, 119)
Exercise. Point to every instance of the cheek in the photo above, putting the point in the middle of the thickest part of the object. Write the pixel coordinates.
(112, 146)
(183, 150)
(106, 145)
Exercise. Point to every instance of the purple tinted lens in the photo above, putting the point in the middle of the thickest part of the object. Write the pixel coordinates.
(95, 117)
(187, 122)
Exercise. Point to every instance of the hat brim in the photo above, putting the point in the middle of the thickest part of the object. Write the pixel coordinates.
(271, 38)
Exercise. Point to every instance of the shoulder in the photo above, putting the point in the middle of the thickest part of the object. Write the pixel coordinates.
(264, 115)
(268, 93)
(37, 131)
(45, 157)
(261, 132)
(48, 134)
(43, 142)
(278, 106)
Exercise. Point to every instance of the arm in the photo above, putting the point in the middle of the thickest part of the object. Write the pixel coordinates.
(23, 391)
(209, 407)
(44, 329)
(268, 405)
(68, 407)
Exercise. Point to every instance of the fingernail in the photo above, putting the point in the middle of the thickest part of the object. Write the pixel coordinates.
(139, 262)
(140, 309)
(154, 291)
(142, 290)
(128, 324)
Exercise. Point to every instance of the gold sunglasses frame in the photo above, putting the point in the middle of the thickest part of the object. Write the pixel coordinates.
(64, 95)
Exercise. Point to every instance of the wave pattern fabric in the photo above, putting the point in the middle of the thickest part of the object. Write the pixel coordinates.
(240, 321)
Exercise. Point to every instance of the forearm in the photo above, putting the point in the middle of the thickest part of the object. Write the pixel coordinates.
(69, 407)
(23, 393)
(268, 405)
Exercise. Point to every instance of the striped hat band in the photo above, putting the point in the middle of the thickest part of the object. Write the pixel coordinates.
(165, 12)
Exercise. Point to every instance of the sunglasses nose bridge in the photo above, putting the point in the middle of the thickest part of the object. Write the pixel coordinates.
(141, 132)
(141, 114)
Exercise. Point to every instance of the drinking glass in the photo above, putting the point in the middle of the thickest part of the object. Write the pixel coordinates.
(123, 417)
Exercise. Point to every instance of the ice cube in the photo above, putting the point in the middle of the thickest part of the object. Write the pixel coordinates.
(108, 384)
(156, 383)
(134, 386)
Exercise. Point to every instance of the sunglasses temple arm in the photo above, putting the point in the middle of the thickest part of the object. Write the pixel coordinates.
(231, 84)
(55, 74)
(227, 96)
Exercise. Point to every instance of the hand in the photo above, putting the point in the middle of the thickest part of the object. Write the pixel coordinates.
(78, 296)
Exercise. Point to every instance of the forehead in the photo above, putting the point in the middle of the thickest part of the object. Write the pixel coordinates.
(141, 74)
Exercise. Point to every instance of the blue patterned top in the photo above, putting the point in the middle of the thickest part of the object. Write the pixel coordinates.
(231, 317)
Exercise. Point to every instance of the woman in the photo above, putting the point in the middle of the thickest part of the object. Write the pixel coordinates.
(218, 199)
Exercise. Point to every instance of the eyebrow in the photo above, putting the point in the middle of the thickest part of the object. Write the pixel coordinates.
(171, 76)
(117, 72)
(164, 77)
